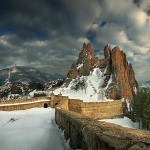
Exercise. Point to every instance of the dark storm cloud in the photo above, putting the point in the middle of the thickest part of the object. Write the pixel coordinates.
(38, 18)
(137, 2)
(49, 34)
(29, 20)
(24, 25)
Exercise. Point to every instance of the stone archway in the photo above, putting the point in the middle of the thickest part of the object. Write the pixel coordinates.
(45, 105)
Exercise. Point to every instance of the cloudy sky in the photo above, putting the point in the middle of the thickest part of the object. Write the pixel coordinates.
(48, 34)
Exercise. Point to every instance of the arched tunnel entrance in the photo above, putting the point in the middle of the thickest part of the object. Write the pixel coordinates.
(45, 105)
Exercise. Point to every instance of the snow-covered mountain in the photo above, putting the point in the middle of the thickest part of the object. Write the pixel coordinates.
(22, 74)
(93, 79)
(25, 74)
(54, 76)
(145, 85)
(20, 81)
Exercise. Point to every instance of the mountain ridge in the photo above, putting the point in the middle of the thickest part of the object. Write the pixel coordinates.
(25, 74)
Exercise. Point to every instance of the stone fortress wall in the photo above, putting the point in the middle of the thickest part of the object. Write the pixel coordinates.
(78, 119)
(80, 125)
(23, 104)
(96, 110)
(89, 134)
(22, 100)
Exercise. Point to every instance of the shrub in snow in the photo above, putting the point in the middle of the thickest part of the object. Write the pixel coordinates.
(78, 83)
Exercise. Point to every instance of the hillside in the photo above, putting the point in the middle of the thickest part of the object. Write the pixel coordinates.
(19, 81)
(25, 74)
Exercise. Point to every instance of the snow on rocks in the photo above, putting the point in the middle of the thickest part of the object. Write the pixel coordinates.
(86, 88)
(79, 66)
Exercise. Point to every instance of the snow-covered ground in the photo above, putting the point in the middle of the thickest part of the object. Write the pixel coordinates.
(32, 129)
(35, 129)
(89, 89)
(125, 122)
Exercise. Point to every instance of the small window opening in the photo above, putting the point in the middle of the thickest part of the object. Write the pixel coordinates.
(45, 105)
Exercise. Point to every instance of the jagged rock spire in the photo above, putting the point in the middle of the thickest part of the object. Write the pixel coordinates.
(119, 76)
(122, 75)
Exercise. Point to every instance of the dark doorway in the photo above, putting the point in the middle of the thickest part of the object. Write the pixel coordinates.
(45, 105)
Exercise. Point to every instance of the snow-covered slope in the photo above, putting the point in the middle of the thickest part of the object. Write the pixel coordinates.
(35, 129)
(87, 88)
(32, 129)
(125, 122)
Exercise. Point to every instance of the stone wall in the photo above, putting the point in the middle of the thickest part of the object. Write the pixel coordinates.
(23, 104)
(58, 99)
(96, 110)
(22, 100)
(75, 105)
(88, 134)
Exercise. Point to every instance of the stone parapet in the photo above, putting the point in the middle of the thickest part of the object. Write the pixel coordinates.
(22, 100)
(86, 133)
(23, 104)
(96, 110)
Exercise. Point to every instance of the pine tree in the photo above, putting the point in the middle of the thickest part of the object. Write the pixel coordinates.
(141, 110)
(146, 118)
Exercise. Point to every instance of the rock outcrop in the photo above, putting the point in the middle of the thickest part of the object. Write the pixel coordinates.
(85, 62)
(124, 84)
(119, 75)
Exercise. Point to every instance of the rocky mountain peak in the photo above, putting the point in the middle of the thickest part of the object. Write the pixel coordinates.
(119, 77)
(85, 62)
(86, 53)
(107, 51)
(124, 84)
